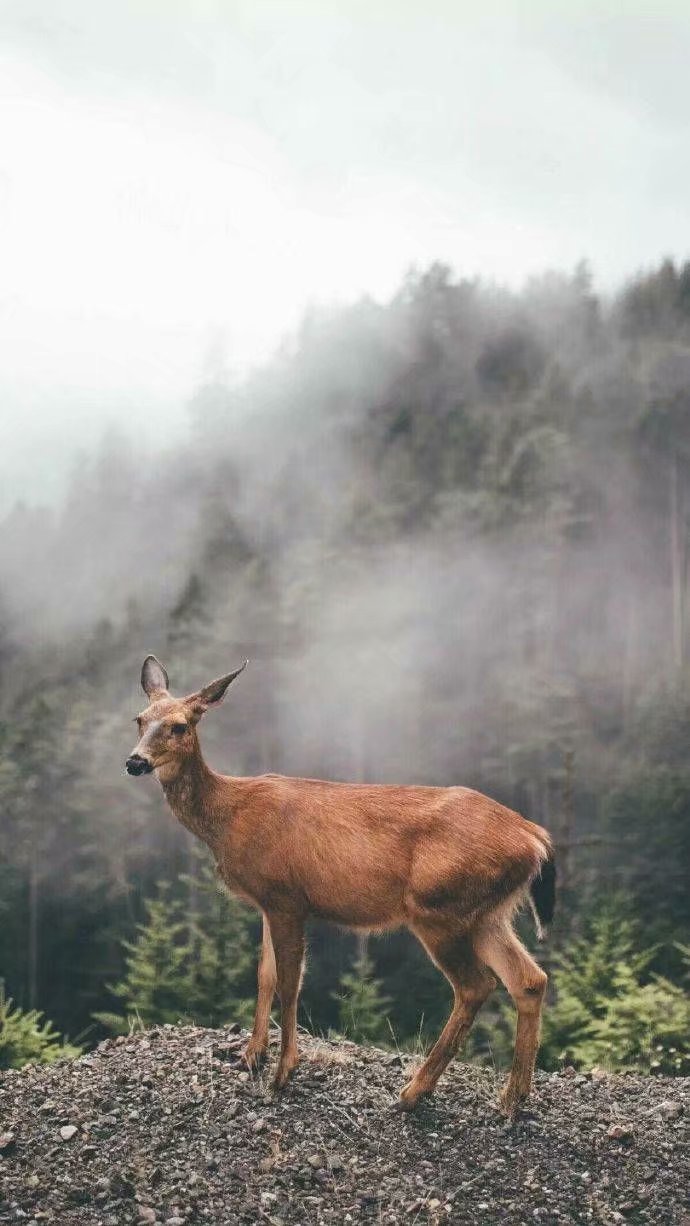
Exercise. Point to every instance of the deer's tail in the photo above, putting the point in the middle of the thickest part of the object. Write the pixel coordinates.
(542, 889)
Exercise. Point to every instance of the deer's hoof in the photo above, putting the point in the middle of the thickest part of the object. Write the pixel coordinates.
(410, 1096)
(283, 1074)
(510, 1103)
(254, 1056)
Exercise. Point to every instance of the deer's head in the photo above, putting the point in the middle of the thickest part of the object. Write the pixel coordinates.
(167, 727)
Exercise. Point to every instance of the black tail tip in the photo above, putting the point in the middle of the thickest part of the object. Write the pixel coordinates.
(543, 891)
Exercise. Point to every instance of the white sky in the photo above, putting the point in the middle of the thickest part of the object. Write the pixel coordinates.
(178, 179)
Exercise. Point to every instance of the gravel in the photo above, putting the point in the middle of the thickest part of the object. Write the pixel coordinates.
(166, 1127)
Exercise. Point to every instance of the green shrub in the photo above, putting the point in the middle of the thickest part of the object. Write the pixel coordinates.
(605, 1007)
(26, 1037)
(362, 1005)
(609, 1009)
(184, 965)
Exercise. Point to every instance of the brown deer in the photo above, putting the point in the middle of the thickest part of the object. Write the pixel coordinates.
(445, 862)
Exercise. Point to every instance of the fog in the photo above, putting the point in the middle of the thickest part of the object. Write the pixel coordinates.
(179, 183)
(427, 511)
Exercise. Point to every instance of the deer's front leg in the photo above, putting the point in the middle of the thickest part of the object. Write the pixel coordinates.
(258, 1044)
(287, 933)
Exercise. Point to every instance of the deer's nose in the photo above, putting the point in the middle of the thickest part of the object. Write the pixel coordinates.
(136, 765)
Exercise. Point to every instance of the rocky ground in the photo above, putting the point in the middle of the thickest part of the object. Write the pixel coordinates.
(166, 1127)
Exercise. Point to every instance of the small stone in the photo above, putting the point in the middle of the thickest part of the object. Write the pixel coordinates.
(597, 1073)
(8, 1141)
(434, 1203)
(568, 1071)
(68, 1131)
(174, 1221)
(668, 1110)
(146, 1213)
(258, 1125)
(121, 1186)
(315, 1161)
(79, 1195)
(226, 1051)
(620, 1132)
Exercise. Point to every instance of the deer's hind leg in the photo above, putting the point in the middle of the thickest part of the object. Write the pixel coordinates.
(451, 949)
(499, 947)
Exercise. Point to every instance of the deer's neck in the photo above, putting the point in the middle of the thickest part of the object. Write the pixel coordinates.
(192, 794)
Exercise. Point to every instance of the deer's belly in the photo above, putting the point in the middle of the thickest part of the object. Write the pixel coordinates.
(371, 914)
(364, 895)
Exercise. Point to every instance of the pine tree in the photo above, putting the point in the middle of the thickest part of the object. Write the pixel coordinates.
(221, 956)
(188, 620)
(156, 985)
(186, 967)
(609, 1009)
(26, 1037)
(363, 1005)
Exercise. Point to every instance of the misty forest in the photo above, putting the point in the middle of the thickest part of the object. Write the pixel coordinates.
(451, 534)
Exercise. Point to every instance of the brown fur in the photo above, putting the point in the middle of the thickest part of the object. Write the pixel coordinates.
(448, 863)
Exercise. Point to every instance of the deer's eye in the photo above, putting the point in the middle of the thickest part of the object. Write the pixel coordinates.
(178, 729)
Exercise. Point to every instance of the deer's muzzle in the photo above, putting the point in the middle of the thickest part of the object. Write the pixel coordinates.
(136, 765)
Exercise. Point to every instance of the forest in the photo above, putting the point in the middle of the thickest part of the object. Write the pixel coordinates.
(450, 532)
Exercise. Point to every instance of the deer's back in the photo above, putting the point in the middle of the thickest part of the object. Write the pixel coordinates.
(371, 855)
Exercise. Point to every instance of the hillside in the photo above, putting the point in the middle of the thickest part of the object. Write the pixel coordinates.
(164, 1126)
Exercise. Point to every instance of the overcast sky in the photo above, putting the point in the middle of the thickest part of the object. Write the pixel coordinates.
(179, 178)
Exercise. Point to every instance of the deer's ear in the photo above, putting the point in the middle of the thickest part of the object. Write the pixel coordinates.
(154, 679)
(214, 693)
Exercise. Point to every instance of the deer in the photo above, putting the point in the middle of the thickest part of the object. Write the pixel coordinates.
(448, 863)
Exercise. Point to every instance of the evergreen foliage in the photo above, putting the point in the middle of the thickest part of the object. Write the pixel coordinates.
(182, 965)
(26, 1037)
(610, 1010)
(363, 1006)
(222, 936)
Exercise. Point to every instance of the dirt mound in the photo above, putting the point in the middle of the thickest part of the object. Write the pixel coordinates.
(166, 1127)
